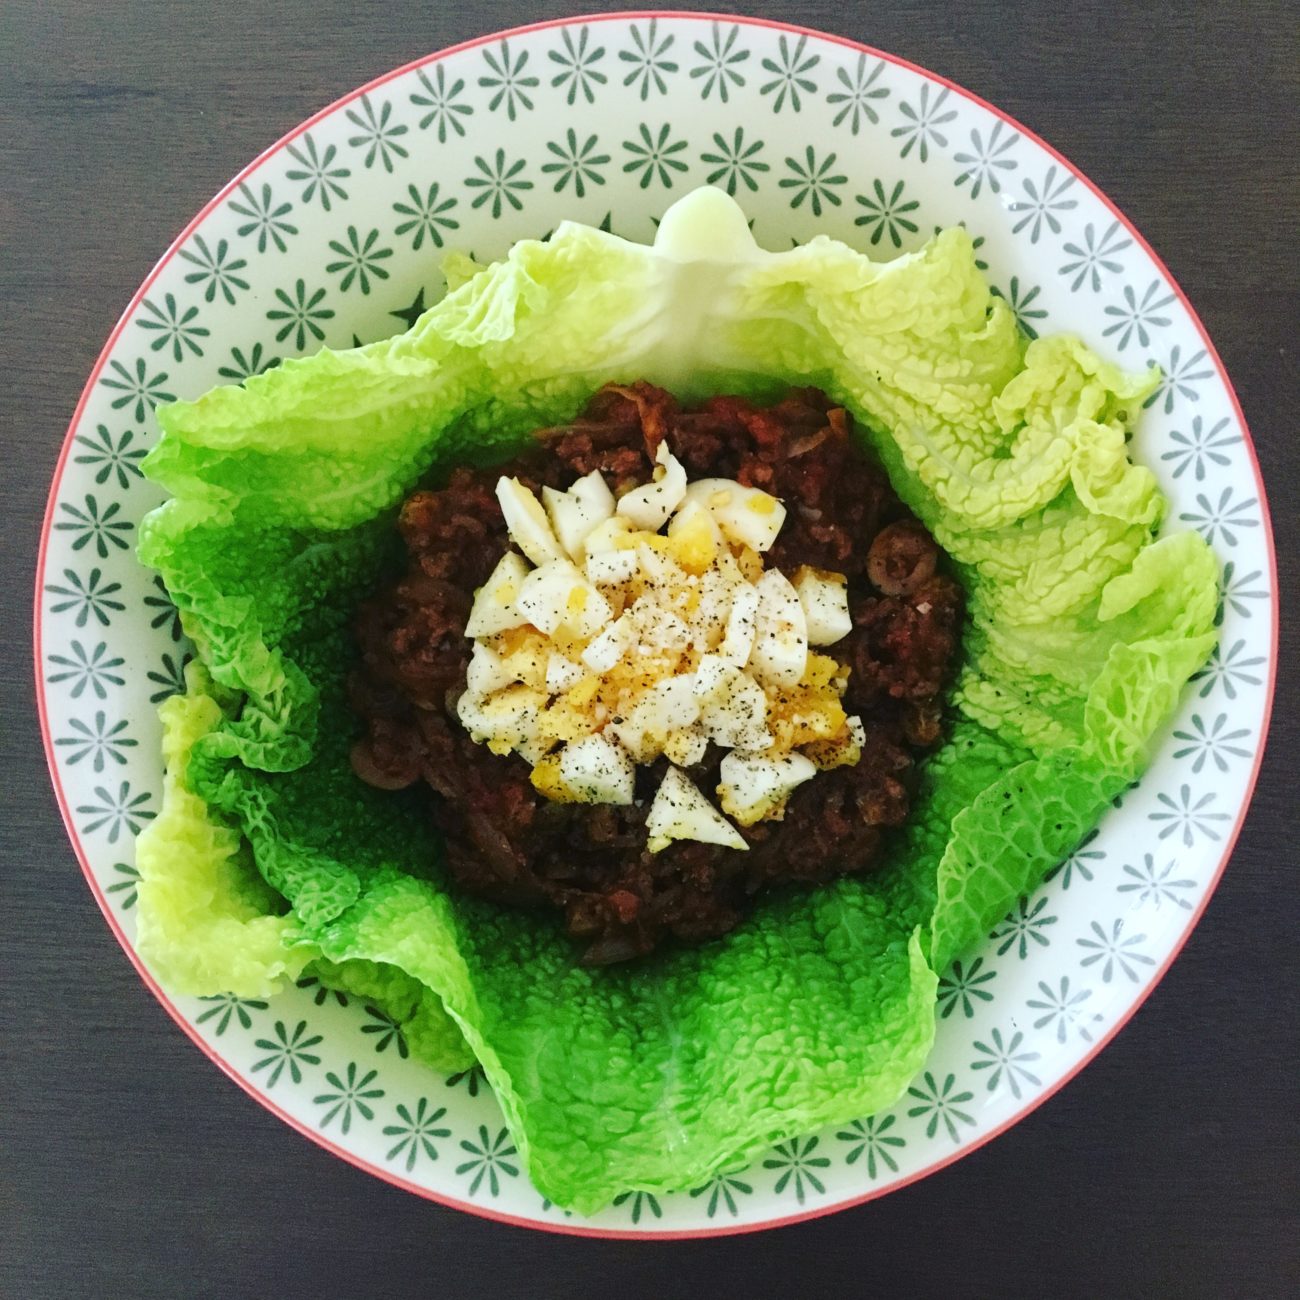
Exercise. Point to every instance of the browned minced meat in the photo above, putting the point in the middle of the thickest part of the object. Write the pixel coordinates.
(507, 842)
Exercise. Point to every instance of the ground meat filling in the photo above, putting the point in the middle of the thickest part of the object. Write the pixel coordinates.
(507, 842)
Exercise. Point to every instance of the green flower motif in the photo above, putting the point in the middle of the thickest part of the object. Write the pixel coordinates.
(1221, 518)
(649, 66)
(723, 1189)
(1140, 317)
(113, 456)
(653, 156)
(1080, 864)
(227, 1007)
(117, 812)
(287, 1051)
(141, 388)
(425, 216)
(507, 81)
(321, 994)
(1152, 884)
(960, 986)
(1210, 743)
(90, 525)
(813, 181)
(359, 260)
(242, 367)
(577, 66)
(885, 214)
(352, 1093)
(854, 101)
(489, 1159)
(166, 615)
(922, 120)
(1021, 303)
(1235, 589)
(499, 182)
(97, 741)
(639, 1201)
(796, 1161)
(1179, 377)
(386, 1031)
(473, 1079)
(1063, 1009)
(175, 328)
(1095, 255)
(375, 134)
(735, 164)
(1115, 953)
(300, 315)
(1181, 814)
(1023, 925)
(316, 171)
(409, 315)
(171, 680)
(88, 598)
(1042, 202)
(86, 669)
(126, 887)
(439, 99)
(1005, 1061)
(264, 218)
(575, 164)
(941, 1104)
(1203, 443)
(790, 74)
(871, 1138)
(1227, 668)
(416, 1132)
(985, 159)
(217, 272)
(719, 60)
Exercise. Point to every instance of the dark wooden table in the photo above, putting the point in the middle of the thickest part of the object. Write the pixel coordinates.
(130, 1167)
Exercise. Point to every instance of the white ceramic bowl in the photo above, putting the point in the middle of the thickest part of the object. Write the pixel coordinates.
(333, 235)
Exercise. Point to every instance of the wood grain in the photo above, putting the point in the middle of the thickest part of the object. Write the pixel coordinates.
(130, 1167)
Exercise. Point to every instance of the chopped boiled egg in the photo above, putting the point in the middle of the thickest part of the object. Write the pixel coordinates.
(780, 652)
(681, 812)
(561, 674)
(611, 568)
(649, 506)
(745, 515)
(742, 626)
(625, 643)
(597, 771)
(558, 592)
(669, 706)
(530, 530)
(825, 600)
(573, 514)
(733, 706)
(754, 786)
(495, 607)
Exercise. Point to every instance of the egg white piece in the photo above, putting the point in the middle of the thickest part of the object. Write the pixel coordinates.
(558, 592)
(780, 653)
(742, 626)
(649, 506)
(573, 514)
(733, 707)
(487, 672)
(825, 600)
(681, 812)
(496, 607)
(561, 674)
(668, 706)
(529, 528)
(610, 646)
(746, 515)
(612, 568)
(597, 770)
(752, 786)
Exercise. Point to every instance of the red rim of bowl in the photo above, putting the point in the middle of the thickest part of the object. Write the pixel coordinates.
(387, 1175)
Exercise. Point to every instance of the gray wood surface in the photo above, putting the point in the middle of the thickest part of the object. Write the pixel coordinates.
(129, 1166)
